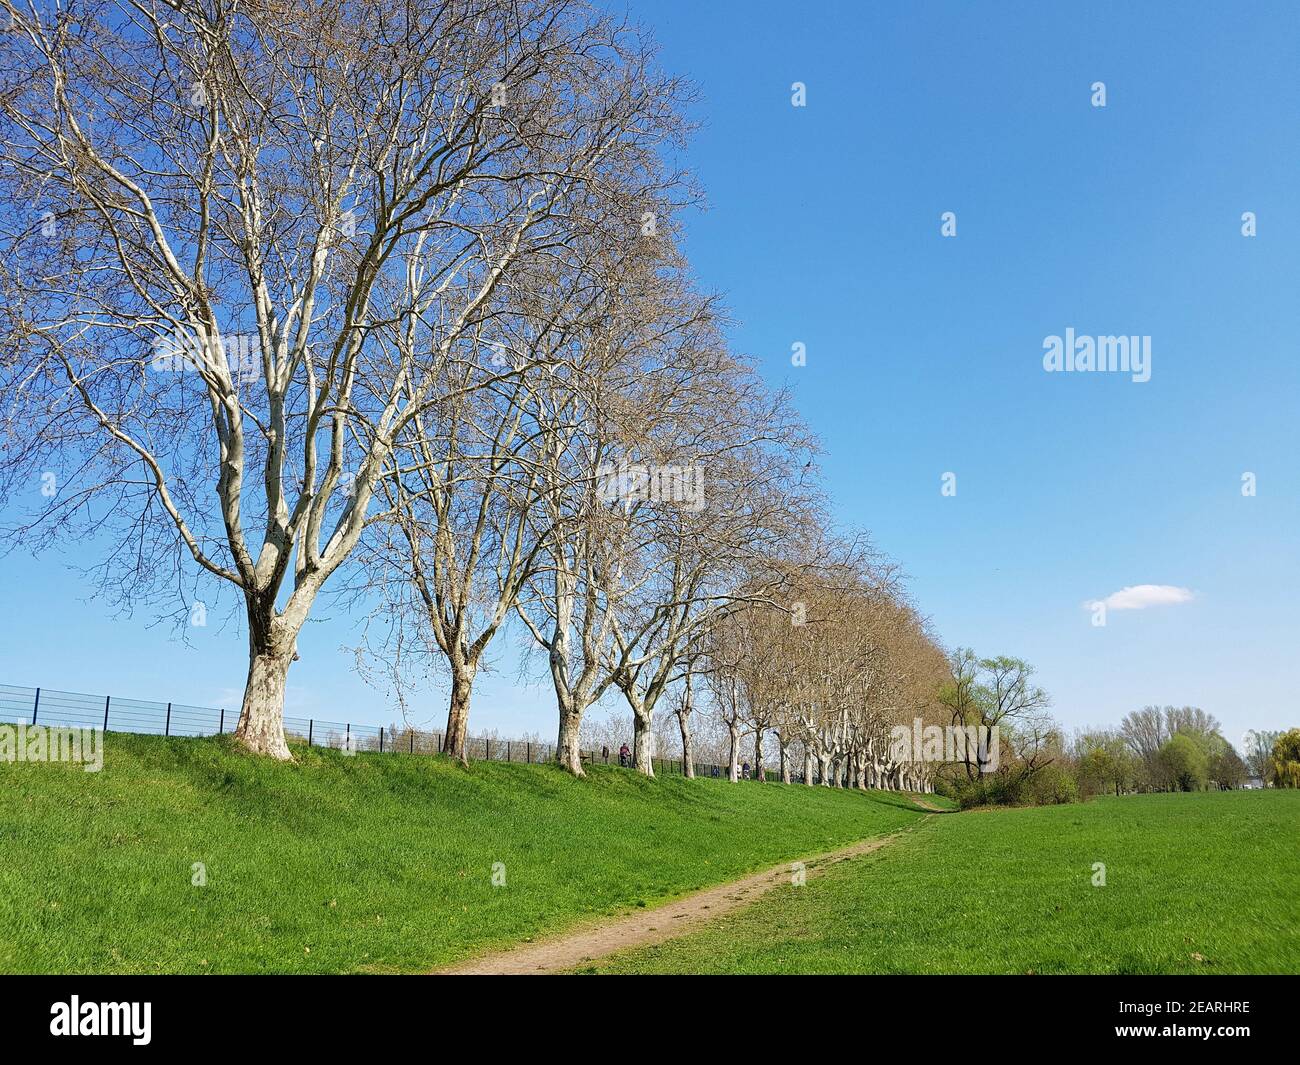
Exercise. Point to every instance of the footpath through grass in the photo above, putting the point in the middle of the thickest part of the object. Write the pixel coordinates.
(1196, 883)
(372, 862)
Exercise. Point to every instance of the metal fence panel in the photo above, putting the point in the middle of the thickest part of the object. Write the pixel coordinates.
(47, 706)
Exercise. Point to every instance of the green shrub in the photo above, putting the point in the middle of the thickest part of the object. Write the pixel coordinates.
(1183, 763)
(1051, 786)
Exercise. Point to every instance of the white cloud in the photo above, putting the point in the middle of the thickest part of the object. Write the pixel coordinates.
(1141, 596)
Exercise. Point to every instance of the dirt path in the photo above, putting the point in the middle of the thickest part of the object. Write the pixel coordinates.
(649, 926)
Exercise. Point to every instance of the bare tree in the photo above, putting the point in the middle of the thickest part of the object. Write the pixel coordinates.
(607, 388)
(1259, 753)
(241, 244)
(703, 558)
(684, 708)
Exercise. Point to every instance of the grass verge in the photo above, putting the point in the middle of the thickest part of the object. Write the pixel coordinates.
(373, 862)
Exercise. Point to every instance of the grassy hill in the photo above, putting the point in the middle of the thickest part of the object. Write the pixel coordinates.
(1196, 883)
(366, 863)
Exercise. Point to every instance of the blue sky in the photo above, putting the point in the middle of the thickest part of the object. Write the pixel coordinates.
(924, 353)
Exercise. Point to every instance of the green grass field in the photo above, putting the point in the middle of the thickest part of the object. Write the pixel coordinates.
(383, 863)
(376, 863)
(1195, 883)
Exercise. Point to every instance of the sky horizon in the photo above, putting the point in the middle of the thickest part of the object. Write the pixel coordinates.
(825, 228)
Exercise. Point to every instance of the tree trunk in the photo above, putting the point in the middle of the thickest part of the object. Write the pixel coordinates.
(758, 754)
(824, 760)
(270, 653)
(462, 682)
(785, 763)
(261, 718)
(733, 758)
(568, 752)
(688, 748)
(642, 742)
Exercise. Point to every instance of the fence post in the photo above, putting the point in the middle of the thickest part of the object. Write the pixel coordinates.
(530, 752)
(221, 723)
(167, 725)
(488, 746)
(106, 698)
(507, 750)
(381, 739)
(36, 705)
(412, 741)
(309, 724)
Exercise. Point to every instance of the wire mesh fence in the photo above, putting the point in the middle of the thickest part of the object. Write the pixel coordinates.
(48, 706)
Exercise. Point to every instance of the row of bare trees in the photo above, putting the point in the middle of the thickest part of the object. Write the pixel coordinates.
(385, 301)
(829, 676)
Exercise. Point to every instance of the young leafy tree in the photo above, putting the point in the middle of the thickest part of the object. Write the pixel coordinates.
(1286, 760)
(1105, 762)
(1183, 763)
(999, 693)
(1227, 768)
